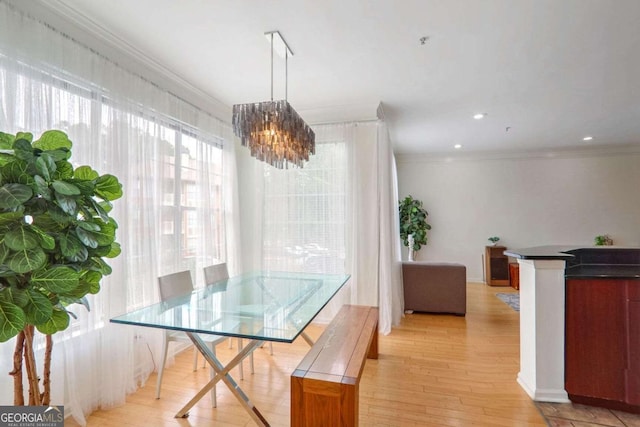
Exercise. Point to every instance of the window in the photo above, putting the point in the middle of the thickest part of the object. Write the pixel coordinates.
(305, 213)
(169, 170)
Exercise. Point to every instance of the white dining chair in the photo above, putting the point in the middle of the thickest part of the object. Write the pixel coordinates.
(172, 286)
(215, 273)
(212, 274)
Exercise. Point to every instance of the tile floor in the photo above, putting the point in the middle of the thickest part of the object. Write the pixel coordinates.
(574, 415)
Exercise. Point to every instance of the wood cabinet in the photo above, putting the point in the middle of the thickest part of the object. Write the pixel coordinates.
(496, 266)
(514, 275)
(602, 346)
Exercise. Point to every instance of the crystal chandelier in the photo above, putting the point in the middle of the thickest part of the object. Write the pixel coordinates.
(273, 130)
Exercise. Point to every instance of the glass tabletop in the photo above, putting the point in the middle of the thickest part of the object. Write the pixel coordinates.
(270, 306)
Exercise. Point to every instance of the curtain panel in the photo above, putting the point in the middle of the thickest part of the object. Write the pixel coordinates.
(179, 208)
(338, 214)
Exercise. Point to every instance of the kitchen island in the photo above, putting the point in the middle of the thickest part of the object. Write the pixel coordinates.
(585, 302)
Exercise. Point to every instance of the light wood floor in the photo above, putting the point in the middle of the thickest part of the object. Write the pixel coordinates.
(433, 370)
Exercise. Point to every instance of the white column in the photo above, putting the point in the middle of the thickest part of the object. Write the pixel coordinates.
(542, 305)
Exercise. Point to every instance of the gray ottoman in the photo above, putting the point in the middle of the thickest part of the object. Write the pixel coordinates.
(435, 287)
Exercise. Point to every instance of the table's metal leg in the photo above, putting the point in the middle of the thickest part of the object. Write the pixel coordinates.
(307, 338)
(222, 374)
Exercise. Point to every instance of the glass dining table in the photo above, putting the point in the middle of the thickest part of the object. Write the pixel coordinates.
(259, 307)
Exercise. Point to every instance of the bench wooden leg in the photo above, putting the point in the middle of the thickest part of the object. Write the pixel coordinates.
(373, 346)
(320, 403)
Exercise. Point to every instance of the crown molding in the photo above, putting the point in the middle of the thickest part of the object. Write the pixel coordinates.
(84, 30)
(542, 154)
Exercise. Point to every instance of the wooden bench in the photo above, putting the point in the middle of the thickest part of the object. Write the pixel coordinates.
(324, 386)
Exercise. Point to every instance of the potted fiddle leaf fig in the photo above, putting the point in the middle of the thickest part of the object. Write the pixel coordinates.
(55, 230)
(413, 224)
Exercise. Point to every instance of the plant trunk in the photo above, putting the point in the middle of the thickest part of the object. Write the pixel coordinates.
(32, 369)
(18, 389)
(46, 379)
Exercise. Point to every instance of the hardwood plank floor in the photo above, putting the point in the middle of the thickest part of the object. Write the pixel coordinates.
(433, 370)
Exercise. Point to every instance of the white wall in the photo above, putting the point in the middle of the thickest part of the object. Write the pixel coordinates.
(524, 201)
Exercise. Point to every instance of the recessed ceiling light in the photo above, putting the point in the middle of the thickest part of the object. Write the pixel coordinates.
(457, 146)
(479, 116)
(587, 138)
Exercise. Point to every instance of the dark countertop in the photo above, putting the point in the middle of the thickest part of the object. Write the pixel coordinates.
(587, 262)
(542, 252)
(599, 271)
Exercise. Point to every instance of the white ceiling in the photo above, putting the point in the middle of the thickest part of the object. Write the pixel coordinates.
(551, 71)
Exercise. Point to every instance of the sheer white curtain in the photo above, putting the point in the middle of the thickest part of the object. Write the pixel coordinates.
(338, 215)
(176, 168)
(390, 267)
(375, 245)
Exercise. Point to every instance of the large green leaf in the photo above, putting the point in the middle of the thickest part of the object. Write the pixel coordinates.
(67, 203)
(87, 188)
(17, 172)
(13, 195)
(65, 188)
(78, 292)
(58, 215)
(7, 218)
(6, 158)
(17, 296)
(108, 187)
(72, 248)
(23, 150)
(101, 209)
(107, 233)
(64, 170)
(21, 238)
(90, 282)
(58, 280)
(12, 320)
(101, 251)
(42, 187)
(46, 166)
(85, 173)
(4, 252)
(35, 207)
(46, 241)
(25, 135)
(115, 250)
(53, 140)
(59, 321)
(87, 238)
(6, 140)
(26, 260)
(6, 272)
(38, 309)
(89, 226)
(101, 266)
(58, 155)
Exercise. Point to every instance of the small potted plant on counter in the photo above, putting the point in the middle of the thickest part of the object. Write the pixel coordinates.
(603, 240)
(494, 240)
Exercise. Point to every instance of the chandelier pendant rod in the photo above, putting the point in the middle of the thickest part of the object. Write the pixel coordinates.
(272, 66)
